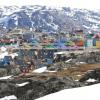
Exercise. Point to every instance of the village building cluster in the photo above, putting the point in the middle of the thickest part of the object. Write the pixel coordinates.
(27, 49)
(75, 40)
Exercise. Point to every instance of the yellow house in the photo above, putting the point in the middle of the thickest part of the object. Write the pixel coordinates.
(97, 44)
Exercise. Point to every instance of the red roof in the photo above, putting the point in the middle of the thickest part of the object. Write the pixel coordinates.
(5, 40)
(96, 36)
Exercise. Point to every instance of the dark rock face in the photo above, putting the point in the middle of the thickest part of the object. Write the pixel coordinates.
(3, 72)
(36, 88)
(95, 74)
(6, 89)
(90, 57)
(93, 57)
(9, 71)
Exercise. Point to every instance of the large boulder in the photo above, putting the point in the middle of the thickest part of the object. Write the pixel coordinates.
(15, 71)
(3, 72)
(51, 85)
(6, 88)
(93, 75)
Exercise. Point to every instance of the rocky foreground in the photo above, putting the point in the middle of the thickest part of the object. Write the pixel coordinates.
(67, 75)
(30, 89)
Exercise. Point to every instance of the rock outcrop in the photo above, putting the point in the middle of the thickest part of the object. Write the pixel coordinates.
(35, 88)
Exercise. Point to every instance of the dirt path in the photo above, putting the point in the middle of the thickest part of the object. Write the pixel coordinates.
(75, 72)
(78, 71)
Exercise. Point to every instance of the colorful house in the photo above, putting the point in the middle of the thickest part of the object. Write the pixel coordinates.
(79, 34)
(96, 40)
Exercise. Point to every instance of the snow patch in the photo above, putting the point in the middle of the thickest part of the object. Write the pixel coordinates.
(12, 97)
(40, 70)
(91, 80)
(3, 49)
(4, 19)
(2, 55)
(68, 60)
(86, 27)
(8, 10)
(51, 71)
(81, 93)
(78, 63)
(22, 84)
(95, 26)
(55, 27)
(13, 55)
(92, 20)
(5, 77)
(79, 75)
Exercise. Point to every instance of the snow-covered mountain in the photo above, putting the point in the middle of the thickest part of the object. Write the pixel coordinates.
(49, 19)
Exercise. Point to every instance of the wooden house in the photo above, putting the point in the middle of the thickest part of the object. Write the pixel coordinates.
(79, 34)
(96, 40)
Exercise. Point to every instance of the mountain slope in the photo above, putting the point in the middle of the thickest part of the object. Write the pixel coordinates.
(49, 19)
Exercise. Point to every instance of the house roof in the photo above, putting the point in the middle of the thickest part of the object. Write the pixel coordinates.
(97, 36)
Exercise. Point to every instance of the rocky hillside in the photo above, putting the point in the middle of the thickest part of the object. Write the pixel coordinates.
(49, 19)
